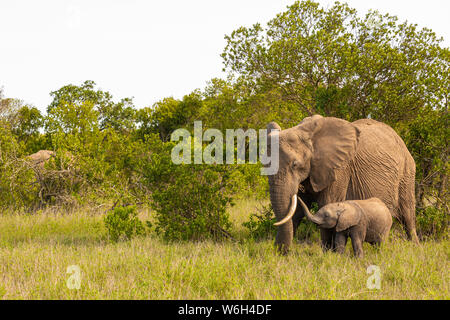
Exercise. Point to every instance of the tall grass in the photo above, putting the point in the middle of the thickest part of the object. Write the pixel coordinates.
(35, 251)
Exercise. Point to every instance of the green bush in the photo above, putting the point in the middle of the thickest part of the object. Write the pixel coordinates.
(248, 182)
(17, 188)
(432, 222)
(260, 223)
(190, 200)
(123, 223)
(193, 205)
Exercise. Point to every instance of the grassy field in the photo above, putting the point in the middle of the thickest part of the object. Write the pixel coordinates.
(36, 250)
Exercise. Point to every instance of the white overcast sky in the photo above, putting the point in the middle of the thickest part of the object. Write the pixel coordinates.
(144, 49)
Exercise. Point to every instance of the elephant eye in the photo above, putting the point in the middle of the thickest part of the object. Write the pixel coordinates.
(295, 164)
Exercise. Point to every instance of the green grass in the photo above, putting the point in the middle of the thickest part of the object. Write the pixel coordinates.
(35, 251)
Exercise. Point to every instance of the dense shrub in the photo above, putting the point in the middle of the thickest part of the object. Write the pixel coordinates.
(194, 205)
(17, 188)
(260, 223)
(123, 223)
(190, 200)
(432, 223)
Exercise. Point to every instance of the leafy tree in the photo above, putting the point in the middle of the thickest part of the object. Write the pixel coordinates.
(119, 116)
(72, 118)
(235, 105)
(26, 128)
(332, 62)
(427, 139)
(99, 135)
(162, 118)
(170, 114)
(23, 121)
(16, 180)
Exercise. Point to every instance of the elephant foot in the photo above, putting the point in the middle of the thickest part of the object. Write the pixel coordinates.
(415, 238)
(282, 249)
(326, 247)
(412, 236)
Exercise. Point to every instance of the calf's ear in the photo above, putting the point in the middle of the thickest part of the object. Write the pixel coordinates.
(349, 217)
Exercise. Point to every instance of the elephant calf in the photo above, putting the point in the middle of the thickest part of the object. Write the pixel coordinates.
(361, 220)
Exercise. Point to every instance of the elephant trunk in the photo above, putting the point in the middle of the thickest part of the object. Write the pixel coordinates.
(308, 214)
(290, 213)
(281, 198)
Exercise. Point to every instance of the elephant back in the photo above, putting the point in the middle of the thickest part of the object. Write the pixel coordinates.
(384, 137)
(39, 158)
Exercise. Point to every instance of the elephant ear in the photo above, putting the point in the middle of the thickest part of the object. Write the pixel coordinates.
(349, 217)
(334, 143)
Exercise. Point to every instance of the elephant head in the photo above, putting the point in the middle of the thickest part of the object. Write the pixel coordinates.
(340, 215)
(313, 149)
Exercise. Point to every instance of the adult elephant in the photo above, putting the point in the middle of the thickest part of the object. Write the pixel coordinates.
(328, 160)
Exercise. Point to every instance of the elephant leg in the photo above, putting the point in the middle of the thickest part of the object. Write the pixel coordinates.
(284, 237)
(410, 227)
(357, 245)
(326, 237)
(407, 209)
(340, 242)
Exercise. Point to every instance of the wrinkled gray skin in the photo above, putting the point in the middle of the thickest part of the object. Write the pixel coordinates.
(361, 220)
(328, 160)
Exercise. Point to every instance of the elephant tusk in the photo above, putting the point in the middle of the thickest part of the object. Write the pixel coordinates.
(290, 213)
